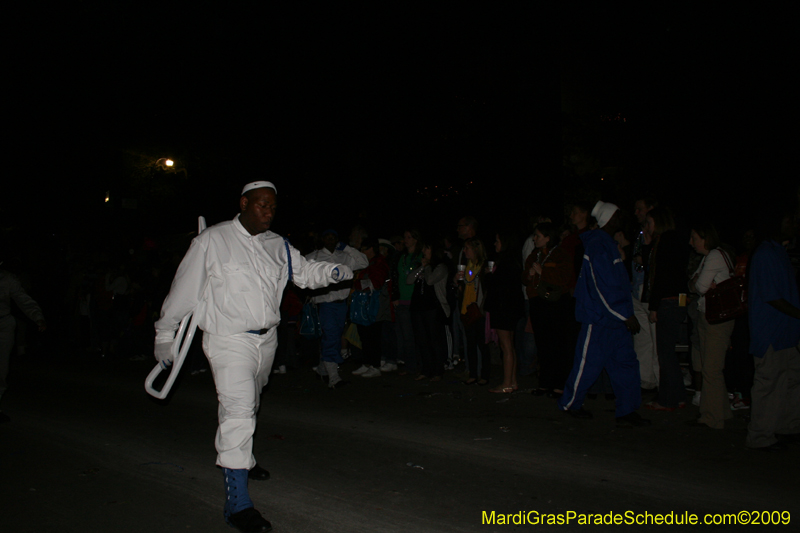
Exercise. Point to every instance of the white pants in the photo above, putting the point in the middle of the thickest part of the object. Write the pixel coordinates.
(241, 366)
(644, 344)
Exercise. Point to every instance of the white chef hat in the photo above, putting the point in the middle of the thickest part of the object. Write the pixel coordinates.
(258, 185)
(603, 211)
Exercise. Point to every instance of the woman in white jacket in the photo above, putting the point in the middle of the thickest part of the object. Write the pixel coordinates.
(715, 268)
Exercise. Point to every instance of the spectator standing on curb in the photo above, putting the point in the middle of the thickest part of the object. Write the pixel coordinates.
(10, 289)
(774, 313)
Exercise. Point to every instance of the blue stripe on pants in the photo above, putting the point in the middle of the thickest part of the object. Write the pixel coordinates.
(599, 348)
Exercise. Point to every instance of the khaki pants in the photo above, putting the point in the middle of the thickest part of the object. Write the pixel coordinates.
(775, 406)
(715, 407)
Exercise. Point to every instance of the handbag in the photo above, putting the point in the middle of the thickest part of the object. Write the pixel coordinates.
(310, 327)
(364, 307)
(728, 300)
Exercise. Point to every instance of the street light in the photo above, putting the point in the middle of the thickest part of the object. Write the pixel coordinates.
(168, 165)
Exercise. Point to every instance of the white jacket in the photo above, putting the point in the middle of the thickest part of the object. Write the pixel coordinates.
(348, 256)
(712, 269)
(240, 280)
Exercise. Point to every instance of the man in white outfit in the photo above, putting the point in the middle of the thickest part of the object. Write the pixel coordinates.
(233, 278)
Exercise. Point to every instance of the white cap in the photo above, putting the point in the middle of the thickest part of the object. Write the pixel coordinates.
(258, 185)
(603, 211)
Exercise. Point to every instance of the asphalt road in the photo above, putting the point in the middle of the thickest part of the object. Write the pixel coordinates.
(87, 450)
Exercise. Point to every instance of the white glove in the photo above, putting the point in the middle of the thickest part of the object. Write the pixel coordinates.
(163, 353)
(342, 273)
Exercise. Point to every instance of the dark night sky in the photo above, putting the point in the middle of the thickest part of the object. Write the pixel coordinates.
(363, 106)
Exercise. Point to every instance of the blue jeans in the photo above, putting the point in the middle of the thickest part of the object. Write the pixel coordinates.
(671, 389)
(332, 317)
(459, 335)
(389, 342)
(407, 350)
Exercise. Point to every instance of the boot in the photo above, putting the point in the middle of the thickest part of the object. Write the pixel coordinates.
(239, 511)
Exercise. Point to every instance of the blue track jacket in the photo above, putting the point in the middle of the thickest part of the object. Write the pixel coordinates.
(603, 292)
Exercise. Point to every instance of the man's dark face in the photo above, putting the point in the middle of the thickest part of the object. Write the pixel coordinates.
(329, 242)
(258, 209)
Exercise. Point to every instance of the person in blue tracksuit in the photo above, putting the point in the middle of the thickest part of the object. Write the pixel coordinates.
(605, 310)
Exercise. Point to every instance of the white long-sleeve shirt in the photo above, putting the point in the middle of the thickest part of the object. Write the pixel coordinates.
(348, 256)
(712, 269)
(239, 278)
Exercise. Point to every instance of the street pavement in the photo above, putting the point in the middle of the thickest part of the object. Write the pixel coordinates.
(87, 450)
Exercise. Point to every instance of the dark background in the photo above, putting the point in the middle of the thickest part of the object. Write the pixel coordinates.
(394, 116)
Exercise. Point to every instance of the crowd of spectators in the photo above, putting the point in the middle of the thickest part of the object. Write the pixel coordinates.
(446, 302)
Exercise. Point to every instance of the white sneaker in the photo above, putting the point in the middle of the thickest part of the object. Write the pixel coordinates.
(372, 372)
(333, 373)
(696, 398)
(388, 367)
(360, 370)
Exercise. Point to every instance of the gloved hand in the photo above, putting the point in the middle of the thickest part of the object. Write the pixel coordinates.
(342, 273)
(163, 353)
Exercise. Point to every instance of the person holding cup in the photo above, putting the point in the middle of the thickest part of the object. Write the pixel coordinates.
(547, 277)
(430, 310)
(472, 296)
(505, 304)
